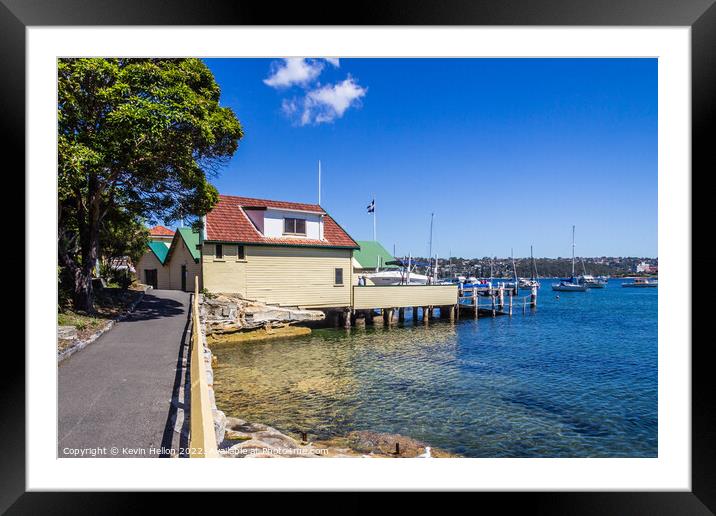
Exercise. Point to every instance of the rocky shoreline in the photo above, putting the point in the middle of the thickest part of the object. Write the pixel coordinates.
(255, 440)
(228, 319)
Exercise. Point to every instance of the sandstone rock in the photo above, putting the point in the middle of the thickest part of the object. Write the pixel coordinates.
(230, 313)
(231, 422)
(66, 332)
(219, 425)
(233, 435)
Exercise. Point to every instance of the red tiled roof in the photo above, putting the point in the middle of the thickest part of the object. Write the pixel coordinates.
(160, 231)
(227, 222)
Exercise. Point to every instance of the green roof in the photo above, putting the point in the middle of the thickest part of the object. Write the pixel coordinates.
(367, 255)
(191, 240)
(160, 250)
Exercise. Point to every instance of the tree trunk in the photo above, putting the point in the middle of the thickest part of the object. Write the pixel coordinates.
(89, 244)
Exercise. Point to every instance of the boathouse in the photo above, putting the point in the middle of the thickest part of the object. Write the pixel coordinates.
(172, 259)
(277, 252)
(284, 253)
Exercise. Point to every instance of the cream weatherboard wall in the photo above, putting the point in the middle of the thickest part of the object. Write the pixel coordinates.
(180, 256)
(226, 275)
(149, 261)
(288, 276)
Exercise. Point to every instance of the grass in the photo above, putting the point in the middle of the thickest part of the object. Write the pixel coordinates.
(110, 302)
(79, 321)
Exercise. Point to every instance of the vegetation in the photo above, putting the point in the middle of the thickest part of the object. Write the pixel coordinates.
(138, 141)
(109, 303)
(546, 267)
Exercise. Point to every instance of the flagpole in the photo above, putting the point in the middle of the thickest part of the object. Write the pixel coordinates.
(375, 238)
(319, 182)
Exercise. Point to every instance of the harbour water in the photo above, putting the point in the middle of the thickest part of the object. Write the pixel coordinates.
(576, 378)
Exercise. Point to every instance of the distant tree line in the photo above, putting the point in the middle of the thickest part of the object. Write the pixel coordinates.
(546, 267)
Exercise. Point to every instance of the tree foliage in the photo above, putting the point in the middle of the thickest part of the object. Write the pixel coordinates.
(138, 139)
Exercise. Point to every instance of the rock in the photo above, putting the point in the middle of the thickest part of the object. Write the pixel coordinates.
(231, 422)
(250, 447)
(280, 332)
(233, 435)
(219, 425)
(277, 440)
(239, 425)
(225, 313)
(66, 332)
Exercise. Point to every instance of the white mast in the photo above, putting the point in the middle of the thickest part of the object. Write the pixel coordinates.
(430, 245)
(319, 181)
(407, 281)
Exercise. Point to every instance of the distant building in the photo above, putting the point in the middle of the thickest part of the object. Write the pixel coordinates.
(172, 259)
(647, 268)
(161, 234)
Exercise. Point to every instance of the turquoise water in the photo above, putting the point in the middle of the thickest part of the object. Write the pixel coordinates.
(576, 378)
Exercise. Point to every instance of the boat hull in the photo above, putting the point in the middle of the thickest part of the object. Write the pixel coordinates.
(568, 288)
(636, 285)
(596, 285)
(395, 279)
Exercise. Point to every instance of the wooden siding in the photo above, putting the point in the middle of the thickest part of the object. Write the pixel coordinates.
(287, 276)
(227, 275)
(149, 261)
(396, 296)
(180, 256)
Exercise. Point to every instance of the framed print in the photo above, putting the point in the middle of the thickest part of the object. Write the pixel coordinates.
(420, 247)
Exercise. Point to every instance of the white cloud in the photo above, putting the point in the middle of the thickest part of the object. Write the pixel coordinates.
(325, 104)
(293, 70)
(334, 61)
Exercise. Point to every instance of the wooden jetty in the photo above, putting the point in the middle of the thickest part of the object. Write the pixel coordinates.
(387, 305)
(479, 302)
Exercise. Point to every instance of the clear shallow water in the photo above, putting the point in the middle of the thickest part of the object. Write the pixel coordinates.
(578, 378)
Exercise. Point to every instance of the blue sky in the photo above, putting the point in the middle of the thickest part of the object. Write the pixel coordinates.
(505, 152)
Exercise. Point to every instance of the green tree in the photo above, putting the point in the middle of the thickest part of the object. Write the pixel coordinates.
(138, 139)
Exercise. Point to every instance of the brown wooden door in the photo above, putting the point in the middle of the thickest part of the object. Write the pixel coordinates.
(150, 277)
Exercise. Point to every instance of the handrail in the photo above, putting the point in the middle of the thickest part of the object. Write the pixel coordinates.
(202, 439)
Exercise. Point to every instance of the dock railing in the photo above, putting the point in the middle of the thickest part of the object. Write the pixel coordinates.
(469, 299)
(202, 439)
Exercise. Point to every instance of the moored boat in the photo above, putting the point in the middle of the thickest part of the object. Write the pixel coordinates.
(571, 285)
(642, 283)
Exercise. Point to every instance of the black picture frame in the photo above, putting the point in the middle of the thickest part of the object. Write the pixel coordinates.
(700, 15)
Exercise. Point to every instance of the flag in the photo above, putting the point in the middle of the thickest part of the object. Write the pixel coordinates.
(371, 206)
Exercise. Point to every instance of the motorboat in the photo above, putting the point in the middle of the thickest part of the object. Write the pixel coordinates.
(396, 277)
(590, 281)
(642, 283)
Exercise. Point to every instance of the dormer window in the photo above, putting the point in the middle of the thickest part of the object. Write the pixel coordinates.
(293, 226)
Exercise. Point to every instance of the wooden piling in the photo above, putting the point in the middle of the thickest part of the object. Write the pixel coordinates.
(401, 315)
(347, 319)
(533, 297)
(511, 294)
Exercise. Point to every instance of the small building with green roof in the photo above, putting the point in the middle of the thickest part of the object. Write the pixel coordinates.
(171, 264)
(370, 257)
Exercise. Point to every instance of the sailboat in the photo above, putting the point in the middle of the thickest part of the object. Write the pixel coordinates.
(572, 285)
(527, 284)
(590, 281)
